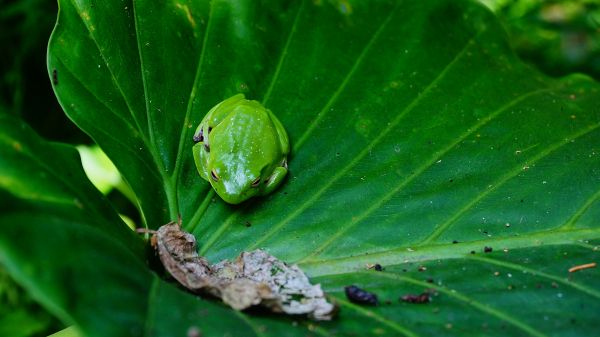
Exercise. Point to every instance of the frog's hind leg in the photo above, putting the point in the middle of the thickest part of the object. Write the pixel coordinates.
(283, 137)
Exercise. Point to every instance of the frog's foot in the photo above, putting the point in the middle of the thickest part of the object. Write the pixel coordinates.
(275, 179)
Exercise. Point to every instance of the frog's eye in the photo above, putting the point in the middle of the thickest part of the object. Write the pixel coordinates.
(214, 175)
(256, 182)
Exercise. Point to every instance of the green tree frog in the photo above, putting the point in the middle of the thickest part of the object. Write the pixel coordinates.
(241, 149)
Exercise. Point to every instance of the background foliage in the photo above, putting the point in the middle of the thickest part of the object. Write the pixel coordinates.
(559, 37)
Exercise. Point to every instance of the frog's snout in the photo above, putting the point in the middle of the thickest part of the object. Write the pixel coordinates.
(233, 198)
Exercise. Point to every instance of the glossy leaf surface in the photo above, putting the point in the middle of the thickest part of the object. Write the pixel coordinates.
(413, 126)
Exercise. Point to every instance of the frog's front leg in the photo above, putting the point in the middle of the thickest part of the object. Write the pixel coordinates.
(201, 159)
(275, 179)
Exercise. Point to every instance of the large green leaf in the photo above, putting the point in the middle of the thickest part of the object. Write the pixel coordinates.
(413, 126)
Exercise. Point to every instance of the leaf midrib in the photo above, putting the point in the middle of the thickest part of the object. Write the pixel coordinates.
(184, 129)
(151, 143)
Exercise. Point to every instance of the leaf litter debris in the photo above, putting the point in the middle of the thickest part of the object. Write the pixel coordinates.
(582, 267)
(421, 298)
(254, 278)
(360, 296)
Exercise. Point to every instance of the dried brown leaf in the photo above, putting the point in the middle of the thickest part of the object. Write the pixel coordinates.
(254, 278)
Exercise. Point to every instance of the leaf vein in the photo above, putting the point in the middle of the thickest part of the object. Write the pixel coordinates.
(506, 177)
(193, 223)
(463, 298)
(371, 314)
(109, 135)
(342, 86)
(431, 161)
(366, 150)
(520, 267)
(581, 211)
(150, 310)
(112, 76)
(216, 234)
(249, 323)
(283, 54)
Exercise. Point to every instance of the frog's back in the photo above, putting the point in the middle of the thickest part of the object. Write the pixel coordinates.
(247, 134)
(241, 149)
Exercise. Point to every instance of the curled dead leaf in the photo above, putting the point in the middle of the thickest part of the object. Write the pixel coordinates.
(254, 278)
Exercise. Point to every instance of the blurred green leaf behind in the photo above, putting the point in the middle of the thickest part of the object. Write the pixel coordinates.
(25, 89)
(558, 37)
(19, 315)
